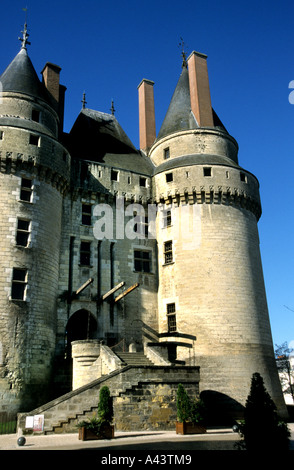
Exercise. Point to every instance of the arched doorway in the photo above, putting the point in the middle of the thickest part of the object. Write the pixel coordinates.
(81, 325)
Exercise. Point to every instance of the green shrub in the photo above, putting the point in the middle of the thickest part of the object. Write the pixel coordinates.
(187, 410)
(197, 412)
(105, 406)
(183, 404)
(104, 413)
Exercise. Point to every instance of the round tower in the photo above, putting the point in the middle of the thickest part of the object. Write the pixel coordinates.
(34, 173)
(212, 303)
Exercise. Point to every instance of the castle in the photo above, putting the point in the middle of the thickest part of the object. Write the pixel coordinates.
(112, 255)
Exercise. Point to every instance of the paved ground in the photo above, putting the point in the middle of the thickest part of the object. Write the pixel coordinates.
(214, 439)
(152, 440)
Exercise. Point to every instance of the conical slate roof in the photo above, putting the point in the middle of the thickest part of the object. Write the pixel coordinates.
(179, 115)
(21, 77)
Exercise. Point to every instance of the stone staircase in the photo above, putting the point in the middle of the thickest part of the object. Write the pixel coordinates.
(134, 359)
(144, 397)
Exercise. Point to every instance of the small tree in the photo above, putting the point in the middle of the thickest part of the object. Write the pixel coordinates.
(105, 406)
(261, 427)
(198, 411)
(187, 410)
(183, 404)
(99, 423)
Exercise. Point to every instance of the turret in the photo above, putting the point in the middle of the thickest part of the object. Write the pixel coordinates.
(34, 176)
(211, 301)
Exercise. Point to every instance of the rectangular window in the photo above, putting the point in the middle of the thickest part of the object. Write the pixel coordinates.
(23, 232)
(86, 214)
(114, 175)
(171, 318)
(19, 284)
(26, 190)
(167, 218)
(168, 252)
(34, 140)
(142, 261)
(35, 115)
(141, 227)
(243, 177)
(169, 177)
(166, 153)
(143, 182)
(85, 253)
(207, 171)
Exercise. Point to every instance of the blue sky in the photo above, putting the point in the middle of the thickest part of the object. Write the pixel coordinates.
(107, 48)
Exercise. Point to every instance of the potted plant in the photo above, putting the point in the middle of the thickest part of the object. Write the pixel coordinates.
(100, 426)
(190, 415)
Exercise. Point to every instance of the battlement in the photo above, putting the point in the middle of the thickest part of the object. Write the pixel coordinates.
(50, 168)
(182, 182)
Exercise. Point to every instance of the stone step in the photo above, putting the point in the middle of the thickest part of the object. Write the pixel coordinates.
(129, 386)
(135, 359)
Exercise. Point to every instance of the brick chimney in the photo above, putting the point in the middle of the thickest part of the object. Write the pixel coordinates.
(51, 79)
(147, 130)
(50, 75)
(199, 89)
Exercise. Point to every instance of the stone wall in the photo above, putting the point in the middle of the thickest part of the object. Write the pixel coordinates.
(144, 398)
(29, 151)
(213, 277)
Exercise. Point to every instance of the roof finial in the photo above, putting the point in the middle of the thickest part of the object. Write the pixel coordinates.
(112, 108)
(84, 100)
(182, 44)
(25, 35)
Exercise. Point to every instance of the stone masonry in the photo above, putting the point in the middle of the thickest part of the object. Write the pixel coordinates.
(152, 251)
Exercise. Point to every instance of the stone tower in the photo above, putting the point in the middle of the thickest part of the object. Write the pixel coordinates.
(212, 304)
(34, 175)
(193, 293)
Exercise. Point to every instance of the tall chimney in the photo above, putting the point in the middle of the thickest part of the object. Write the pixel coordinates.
(147, 130)
(51, 79)
(199, 89)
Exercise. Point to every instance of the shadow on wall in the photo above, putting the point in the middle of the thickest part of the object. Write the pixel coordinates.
(221, 409)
